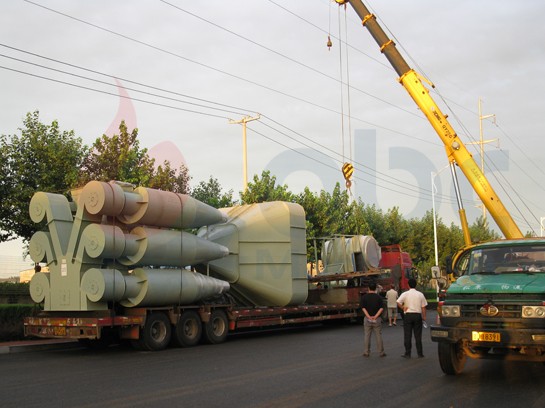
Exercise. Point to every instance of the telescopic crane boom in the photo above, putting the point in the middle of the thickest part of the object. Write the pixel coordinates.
(456, 151)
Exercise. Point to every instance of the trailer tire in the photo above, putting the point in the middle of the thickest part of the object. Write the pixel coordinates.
(188, 329)
(156, 333)
(216, 329)
(452, 358)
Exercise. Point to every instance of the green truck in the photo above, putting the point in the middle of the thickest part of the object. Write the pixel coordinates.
(496, 307)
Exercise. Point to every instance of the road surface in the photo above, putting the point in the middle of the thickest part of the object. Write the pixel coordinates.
(318, 367)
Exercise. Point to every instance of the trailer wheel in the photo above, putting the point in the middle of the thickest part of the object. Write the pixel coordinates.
(156, 333)
(451, 358)
(215, 330)
(188, 329)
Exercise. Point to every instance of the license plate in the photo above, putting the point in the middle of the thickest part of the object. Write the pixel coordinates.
(486, 336)
(59, 331)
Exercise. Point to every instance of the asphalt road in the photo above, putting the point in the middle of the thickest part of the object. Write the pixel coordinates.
(312, 367)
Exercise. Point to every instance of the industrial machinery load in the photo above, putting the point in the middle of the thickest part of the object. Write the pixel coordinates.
(156, 268)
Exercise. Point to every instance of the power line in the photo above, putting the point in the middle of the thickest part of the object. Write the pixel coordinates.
(293, 60)
(204, 65)
(176, 55)
(239, 110)
(112, 94)
(132, 89)
(394, 182)
(124, 87)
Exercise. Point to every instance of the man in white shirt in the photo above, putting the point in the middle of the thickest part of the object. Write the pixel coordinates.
(391, 297)
(414, 305)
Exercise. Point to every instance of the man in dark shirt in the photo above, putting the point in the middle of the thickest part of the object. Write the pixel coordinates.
(372, 306)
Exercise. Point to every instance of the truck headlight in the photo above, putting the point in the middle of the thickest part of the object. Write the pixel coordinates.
(533, 312)
(450, 311)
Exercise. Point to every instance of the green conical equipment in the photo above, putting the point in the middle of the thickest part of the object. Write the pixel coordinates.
(266, 265)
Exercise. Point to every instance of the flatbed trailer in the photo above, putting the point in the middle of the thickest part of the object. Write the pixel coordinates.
(184, 326)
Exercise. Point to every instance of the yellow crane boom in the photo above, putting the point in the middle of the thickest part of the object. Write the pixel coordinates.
(455, 148)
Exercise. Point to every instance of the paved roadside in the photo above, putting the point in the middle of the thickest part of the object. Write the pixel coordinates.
(34, 345)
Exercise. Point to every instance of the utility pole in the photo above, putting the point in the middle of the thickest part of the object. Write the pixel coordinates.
(243, 122)
(482, 142)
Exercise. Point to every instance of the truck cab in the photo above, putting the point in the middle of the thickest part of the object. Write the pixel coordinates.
(496, 307)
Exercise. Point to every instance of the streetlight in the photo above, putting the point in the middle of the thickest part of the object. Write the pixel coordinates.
(433, 191)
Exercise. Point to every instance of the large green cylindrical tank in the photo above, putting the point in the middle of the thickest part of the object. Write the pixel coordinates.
(266, 265)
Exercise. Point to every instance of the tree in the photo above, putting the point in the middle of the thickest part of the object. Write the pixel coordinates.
(332, 212)
(265, 189)
(356, 222)
(168, 179)
(41, 158)
(211, 193)
(118, 158)
(480, 231)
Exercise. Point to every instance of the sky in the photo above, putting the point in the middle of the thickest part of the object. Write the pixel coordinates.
(182, 72)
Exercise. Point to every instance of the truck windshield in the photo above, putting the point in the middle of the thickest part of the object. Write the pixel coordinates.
(507, 259)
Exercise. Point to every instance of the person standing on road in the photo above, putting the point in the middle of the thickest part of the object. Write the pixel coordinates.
(414, 305)
(372, 306)
(391, 297)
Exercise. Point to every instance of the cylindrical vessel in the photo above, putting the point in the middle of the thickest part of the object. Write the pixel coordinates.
(103, 241)
(166, 209)
(160, 287)
(370, 249)
(146, 206)
(171, 248)
(101, 198)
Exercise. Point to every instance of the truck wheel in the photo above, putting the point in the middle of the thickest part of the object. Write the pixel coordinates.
(188, 329)
(156, 333)
(215, 330)
(451, 358)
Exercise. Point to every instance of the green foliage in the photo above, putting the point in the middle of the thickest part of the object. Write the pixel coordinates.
(9, 288)
(265, 189)
(11, 320)
(41, 158)
(211, 193)
(480, 231)
(168, 179)
(118, 158)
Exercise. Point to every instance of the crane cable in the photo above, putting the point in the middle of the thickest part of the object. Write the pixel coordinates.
(347, 167)
(349, 174)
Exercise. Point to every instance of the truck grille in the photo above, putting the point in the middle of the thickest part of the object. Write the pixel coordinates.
(506, 311)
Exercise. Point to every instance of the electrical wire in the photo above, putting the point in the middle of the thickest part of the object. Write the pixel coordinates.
(406, 186)
(293, 60)
(110, 93)
(109, 84)
(179, 56)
